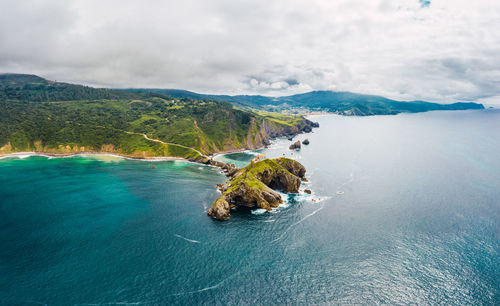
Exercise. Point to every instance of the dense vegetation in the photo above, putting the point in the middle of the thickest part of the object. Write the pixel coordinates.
(343, 103)
(32, 88)
(38, 115)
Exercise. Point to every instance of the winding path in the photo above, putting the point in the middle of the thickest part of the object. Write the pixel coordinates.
(163, 142)
(145, 136)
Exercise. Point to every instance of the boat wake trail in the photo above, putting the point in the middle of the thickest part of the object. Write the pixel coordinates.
(350, 180)
(187, 239)
(300, 221)
(206, 288)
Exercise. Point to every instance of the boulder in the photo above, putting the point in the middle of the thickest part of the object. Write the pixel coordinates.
(305, 141)
(220, 209)
(308, 191)
(295, 145)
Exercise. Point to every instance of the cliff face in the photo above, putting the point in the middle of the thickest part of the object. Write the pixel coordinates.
(254, 186)
(37, 117)
(260, 133)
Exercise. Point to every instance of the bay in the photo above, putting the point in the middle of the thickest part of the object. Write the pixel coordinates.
(404, 209)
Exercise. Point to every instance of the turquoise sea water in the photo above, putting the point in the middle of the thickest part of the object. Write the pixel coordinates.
(407, 211)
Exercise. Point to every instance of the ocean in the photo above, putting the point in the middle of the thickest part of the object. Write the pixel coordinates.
(404, 209)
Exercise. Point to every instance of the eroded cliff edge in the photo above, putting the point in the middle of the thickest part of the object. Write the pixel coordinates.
(254, 186)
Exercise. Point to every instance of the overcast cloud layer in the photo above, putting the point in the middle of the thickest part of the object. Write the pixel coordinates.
(405, 49)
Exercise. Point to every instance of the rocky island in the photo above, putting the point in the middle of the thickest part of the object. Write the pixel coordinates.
(254, 186)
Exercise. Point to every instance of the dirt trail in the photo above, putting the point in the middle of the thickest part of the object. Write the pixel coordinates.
(163, 142)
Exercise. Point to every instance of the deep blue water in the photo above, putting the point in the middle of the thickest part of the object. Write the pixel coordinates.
(409, 213)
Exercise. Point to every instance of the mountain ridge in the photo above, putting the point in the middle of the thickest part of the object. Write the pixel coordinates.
(341, 102)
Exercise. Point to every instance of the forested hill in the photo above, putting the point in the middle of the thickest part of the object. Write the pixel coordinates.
(343, 103)
(50, 117)
(32, 88)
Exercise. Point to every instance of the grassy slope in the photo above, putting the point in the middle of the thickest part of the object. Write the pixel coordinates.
(116, 123)
(248, 174)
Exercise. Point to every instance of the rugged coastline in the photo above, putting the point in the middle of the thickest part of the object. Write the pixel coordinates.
(265, 135)
(255, 185)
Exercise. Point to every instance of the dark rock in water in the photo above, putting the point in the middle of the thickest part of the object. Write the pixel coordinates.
(220, 209)
(254, 185)
(201, 159)
(230, 169)
(314, 124)
(218, 164)
(305, 141)
(308, 191)
(307, 129)
(290, 137)
(295, 145)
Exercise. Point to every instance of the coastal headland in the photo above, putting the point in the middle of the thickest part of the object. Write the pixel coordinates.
(255, 185)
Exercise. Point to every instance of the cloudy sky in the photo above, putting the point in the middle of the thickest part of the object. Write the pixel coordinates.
(439, 50)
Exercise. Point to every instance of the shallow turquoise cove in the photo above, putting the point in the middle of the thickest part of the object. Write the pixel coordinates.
(406, 210)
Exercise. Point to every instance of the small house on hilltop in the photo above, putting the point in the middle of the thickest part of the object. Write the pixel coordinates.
(259, 158)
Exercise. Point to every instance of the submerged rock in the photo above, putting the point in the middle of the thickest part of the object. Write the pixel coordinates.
(254, 186)
(295, 145)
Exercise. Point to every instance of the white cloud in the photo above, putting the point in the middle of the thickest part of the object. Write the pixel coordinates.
(408, 49)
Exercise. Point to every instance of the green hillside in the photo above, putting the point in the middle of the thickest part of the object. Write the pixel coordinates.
(343, 103)
(43, 116)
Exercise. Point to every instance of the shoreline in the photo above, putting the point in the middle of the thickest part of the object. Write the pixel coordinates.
(66, 155)
(208, 159)
(22, 155)
(26, 154)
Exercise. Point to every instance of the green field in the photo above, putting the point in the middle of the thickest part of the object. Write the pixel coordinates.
(42, 116)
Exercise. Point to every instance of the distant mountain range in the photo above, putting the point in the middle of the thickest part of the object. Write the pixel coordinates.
(33, 88)
(343, 103)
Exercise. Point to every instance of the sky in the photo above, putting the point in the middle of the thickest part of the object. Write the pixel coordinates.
(437, 50)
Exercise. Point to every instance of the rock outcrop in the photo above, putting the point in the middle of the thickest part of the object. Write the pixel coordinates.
(230, 169)
(260, 133)
(292, 166)
(295, 145)
(254, 186)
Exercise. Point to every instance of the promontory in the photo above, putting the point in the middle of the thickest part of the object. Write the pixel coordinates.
(255, 185)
